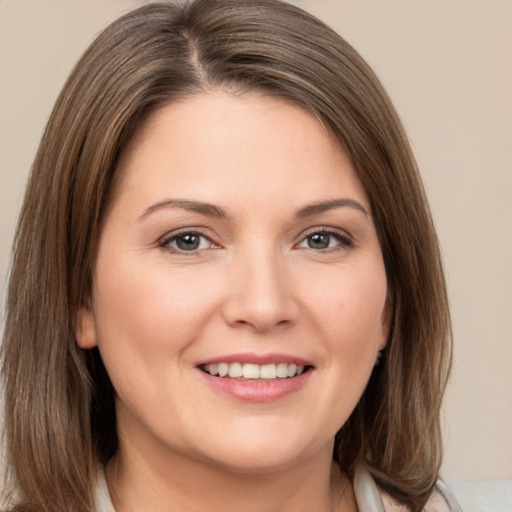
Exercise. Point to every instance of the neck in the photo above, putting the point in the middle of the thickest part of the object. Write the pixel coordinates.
(177, 482)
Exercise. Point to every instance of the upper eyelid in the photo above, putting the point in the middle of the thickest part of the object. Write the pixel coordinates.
(172, 235)
(344, 238)
(204, 232)
(327, 230)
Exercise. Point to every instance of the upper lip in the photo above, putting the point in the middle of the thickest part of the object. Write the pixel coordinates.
(254, 358)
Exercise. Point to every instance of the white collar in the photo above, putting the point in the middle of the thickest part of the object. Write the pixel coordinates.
(102, 501)
(369, 497)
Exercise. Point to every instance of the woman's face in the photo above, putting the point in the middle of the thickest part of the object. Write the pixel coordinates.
(239, 240)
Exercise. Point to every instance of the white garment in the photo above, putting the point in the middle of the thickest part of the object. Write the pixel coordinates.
(102, 501)
(483, 495)
(372, 499)
(369, 497)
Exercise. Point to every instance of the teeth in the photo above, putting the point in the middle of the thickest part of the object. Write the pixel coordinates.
(213, 369)
(268, 371)
(223, 369)
(292, 370)
(251, 371)
(254, 371)
(235, 370)
(282, 370)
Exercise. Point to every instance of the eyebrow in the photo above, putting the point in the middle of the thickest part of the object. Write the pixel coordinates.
(207, 209)
(211, 210)
(323, 206)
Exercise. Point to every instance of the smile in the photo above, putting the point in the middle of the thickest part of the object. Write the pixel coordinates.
(256, 378)
(238, 370)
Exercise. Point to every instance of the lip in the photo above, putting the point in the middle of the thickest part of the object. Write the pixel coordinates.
(256, 390)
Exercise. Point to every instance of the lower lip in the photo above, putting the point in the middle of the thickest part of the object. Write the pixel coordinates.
(257, 390)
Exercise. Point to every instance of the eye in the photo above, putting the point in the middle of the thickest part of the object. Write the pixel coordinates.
(325, 239)
(187, 241)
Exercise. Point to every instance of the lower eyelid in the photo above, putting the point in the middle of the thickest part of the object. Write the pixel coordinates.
(343, 239)
(165, 241)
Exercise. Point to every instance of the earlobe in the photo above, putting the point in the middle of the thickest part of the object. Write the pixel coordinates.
(387, 315)
(387, 319)
(85, 328)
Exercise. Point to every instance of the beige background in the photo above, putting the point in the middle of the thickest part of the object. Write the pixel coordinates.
(448, 67)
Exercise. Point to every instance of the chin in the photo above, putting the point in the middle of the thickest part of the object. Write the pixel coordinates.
(255, 453)
(249, 463)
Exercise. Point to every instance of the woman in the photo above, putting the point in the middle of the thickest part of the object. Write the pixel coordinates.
(226, 289)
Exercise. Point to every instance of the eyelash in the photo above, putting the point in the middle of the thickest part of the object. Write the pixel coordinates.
(165, 242)
(343, 239)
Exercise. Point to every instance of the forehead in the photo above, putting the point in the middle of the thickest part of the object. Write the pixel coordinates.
(217, 142)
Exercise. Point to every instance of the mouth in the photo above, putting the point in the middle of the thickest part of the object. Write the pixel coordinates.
(256, 378)
(255, 372)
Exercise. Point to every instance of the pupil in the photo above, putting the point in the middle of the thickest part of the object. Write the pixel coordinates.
(318, 241)
(188, 242)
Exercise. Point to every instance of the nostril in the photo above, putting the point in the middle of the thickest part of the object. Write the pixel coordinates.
(260, 298)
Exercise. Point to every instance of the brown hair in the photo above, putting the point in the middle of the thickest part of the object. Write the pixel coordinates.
(60, 416)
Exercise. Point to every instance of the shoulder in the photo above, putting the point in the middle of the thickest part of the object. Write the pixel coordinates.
(370, 497)
(442, 500)
(483, 495)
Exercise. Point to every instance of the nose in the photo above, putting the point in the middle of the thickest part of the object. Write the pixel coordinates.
(260, 296)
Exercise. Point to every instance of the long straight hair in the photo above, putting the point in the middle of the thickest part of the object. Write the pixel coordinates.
(60, 412)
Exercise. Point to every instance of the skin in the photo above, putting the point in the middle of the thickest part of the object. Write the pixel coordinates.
(253, 285)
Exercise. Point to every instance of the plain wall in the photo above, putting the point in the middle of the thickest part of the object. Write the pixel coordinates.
(447, 65)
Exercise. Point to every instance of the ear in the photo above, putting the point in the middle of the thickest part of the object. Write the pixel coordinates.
(85, 327)
(387, 319)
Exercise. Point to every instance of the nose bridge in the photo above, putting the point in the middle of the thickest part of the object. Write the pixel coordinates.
(261, 291)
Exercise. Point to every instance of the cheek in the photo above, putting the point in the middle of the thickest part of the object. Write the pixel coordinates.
(149, 311)
(147, 317)
(349, 314)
